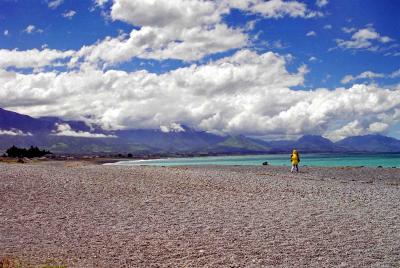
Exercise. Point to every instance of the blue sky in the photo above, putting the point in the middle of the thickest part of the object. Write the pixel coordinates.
(325, 44)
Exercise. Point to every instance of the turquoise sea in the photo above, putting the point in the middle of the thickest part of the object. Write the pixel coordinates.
(320, 160)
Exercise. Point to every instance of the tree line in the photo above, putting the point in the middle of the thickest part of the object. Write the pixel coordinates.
(29, 153)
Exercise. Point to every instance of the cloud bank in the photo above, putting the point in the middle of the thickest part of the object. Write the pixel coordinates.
(243, 93)
(14, 132)
(66, 130)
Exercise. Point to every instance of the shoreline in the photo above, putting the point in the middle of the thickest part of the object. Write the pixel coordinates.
(267, 161)
(110, 161)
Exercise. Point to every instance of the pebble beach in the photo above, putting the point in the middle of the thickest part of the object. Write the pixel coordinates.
(81, 214)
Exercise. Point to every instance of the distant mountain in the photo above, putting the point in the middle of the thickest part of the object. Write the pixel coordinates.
(24, 131)
(11, 120)
(280, 146)
(239, 144)
(314, 143)
(370, 143)
(41, 132)
(177, 141)
(307, 143)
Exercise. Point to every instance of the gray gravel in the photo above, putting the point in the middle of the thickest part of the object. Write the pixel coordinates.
(112, 216)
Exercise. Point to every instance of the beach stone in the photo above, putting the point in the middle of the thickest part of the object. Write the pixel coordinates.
(86, 215)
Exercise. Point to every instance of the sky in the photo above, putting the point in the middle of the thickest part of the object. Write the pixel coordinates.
(270, 69)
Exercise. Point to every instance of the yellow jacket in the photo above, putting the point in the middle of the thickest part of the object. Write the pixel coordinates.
(295, 158)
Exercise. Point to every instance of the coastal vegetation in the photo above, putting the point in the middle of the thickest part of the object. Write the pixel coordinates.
(28, 153)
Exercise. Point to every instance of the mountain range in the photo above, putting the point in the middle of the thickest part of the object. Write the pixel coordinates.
(76, 137)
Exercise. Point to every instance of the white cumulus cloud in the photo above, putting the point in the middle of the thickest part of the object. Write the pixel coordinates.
(157, 43)
(33, 58)
(69, 14)
(173, 127)
(31, 29)
(275, 8)
(369, 75)
(395, 74)
(101, 2)
(311, 33)
(349, 29)
(161, 13)
(363, 75)
(313, 59)
(14, 132)
(246, 93)
(377, 127)
(183, 30)
(54, 3)
(366, 38)
(357, 128)
(321, 3)
(66, 130)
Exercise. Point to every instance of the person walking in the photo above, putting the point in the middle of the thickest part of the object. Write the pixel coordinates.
(295, 159)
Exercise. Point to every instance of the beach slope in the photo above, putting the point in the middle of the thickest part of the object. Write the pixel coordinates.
(87, 215)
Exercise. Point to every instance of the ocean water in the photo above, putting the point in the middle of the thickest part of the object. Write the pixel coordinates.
(320, 160)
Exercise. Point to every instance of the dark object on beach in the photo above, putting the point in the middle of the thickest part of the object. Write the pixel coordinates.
(265, 163)
(394, 167)
(380, 167)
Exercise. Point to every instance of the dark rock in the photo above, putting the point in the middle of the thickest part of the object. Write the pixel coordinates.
(265, 163)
